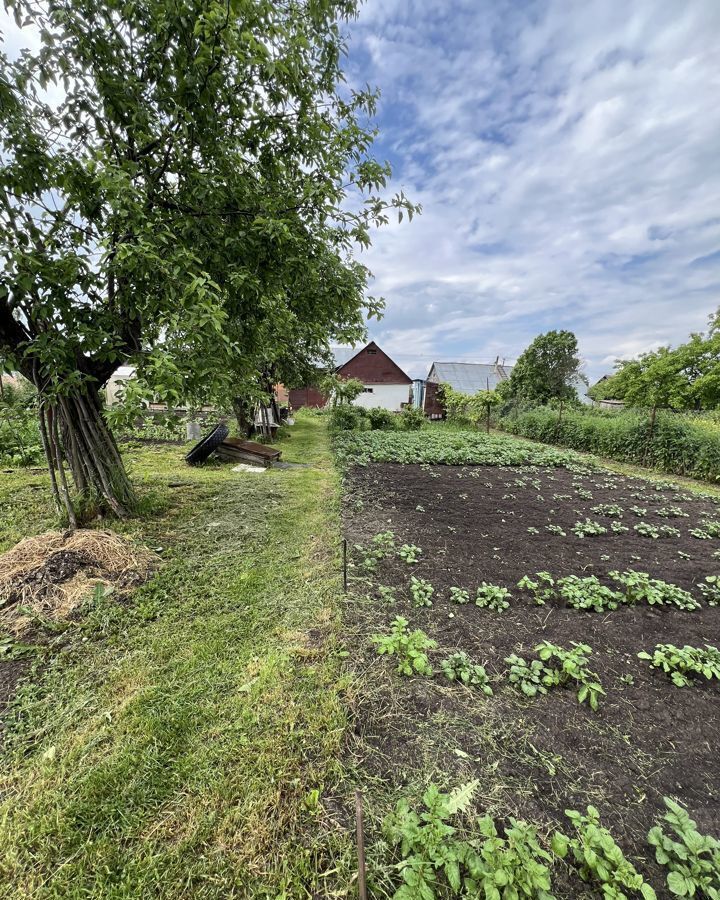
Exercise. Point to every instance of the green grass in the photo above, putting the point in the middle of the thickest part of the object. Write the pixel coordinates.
(175, 746)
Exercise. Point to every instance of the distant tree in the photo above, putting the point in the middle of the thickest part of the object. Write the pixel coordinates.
(545, 371)
(686, 377)
(180, 202)
(341, 391)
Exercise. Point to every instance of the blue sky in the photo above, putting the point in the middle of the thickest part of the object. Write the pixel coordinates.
(566, 157)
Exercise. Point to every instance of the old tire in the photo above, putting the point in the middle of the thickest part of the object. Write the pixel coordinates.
(207, 445)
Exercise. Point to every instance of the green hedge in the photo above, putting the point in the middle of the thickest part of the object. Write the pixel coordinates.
(678, 445)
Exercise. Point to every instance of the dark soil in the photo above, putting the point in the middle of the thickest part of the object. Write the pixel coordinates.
(536, 758)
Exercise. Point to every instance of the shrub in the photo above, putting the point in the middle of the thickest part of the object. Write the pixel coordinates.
(381, 419)
(348, 418)
(411, 419)
(678, 444)
(20, 443)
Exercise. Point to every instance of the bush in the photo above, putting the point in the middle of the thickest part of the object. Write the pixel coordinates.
(381, 419)
(676, 444)
(20, 443)
(411, 418)
(348, 418)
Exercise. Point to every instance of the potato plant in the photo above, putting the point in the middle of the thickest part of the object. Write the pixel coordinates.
(381, 547)
(711, 526)
(681, 664)
(485, 862)
(608, 509)
(491, 596)
(671, 512)
(541, 586)
(422, 591)
(409, 553)
(459, 667)
(526, 676)
(588, 527)
(639, 587)
(710, 590)
(459, 595)
(587, 593)
(571, 669)
(599, 858)
(647, 529)
(693, 859)
(408, 647)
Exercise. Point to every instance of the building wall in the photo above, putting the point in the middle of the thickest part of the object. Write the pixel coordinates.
(307, 396)
(372, 366)
(122, 373)
(432, 407)
(387, 396)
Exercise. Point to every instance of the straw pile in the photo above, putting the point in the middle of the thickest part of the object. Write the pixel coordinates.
(54, 572)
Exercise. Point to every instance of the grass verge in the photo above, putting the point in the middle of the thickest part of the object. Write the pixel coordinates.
(179, 745)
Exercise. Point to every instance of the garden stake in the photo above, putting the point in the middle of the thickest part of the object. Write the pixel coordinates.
(345, 565)
(362, 885)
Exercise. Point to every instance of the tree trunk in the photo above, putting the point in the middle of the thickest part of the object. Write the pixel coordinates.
(244, 415)
(74, 434)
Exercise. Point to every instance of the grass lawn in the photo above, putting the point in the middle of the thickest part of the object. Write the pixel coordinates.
(178, 745)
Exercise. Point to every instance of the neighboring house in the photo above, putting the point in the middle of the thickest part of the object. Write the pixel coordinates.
(385, 383)
(469, 378)
(609, 402)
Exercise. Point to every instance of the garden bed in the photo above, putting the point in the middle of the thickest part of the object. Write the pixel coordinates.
(536, 758)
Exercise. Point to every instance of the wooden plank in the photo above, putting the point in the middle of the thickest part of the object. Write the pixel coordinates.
(262, 450)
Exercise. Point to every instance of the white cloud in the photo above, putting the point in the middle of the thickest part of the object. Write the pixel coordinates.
(565, 156)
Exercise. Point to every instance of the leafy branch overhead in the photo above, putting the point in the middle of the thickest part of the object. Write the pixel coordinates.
(182, 188)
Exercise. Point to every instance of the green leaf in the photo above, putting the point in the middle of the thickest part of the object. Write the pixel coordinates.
(461, 798)
(677, 885)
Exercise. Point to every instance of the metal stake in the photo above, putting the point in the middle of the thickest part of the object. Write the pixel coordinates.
(362, 883)
(345, 565)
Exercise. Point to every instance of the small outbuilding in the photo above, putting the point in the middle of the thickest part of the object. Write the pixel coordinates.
(468, 378)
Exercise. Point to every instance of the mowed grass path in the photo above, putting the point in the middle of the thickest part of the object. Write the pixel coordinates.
(177, 745)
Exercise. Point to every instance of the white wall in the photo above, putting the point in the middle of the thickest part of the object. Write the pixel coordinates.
(388, 396)
(122, 373)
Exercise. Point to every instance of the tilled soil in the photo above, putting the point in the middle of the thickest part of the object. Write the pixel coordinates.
(536, 758)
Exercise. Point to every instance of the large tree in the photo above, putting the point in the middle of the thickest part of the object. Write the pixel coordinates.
(174, 194)
(546, 370)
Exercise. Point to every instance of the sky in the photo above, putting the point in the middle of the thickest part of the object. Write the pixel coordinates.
(566, 156)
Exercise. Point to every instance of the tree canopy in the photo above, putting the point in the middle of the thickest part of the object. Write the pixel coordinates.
(182, 187)
(686, 377)
(546, 370)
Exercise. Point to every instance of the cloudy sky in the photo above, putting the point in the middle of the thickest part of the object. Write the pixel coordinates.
(567, 159)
